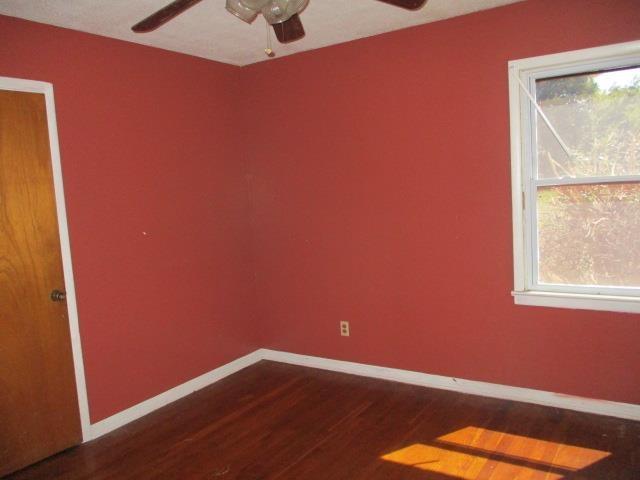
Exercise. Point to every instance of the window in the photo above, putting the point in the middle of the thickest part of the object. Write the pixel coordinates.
(575, 149)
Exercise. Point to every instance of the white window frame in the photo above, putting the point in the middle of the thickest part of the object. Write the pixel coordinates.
(523, 74)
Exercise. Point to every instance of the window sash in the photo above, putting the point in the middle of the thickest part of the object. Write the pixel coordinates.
(534, 261)
(532, 258)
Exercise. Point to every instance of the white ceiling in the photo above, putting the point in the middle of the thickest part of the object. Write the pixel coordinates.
(207, 30)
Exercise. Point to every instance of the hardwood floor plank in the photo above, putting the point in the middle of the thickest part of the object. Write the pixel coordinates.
(274, 421)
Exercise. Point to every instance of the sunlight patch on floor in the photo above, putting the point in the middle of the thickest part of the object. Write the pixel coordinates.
(472, 452)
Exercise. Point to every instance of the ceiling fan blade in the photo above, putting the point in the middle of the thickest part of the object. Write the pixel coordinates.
(408, 4)
(290, 30)
(163, 15)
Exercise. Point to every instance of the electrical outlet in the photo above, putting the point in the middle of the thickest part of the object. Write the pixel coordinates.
(344, 329)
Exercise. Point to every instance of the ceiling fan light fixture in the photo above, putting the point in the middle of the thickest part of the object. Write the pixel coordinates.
(278, 11)
(296, 6)
(255, 5)
(237, 8)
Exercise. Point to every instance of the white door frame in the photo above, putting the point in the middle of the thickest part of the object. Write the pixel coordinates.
(32, 86)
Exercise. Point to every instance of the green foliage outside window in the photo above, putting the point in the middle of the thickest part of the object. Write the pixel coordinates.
(589, 234)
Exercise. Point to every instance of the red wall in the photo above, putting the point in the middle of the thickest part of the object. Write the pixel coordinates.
(379, 190)
(147, 144)
(381, 195)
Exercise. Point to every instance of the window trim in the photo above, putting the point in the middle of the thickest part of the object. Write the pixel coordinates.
(526, 291)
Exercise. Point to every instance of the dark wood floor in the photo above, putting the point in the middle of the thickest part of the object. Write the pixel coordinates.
(277, 421)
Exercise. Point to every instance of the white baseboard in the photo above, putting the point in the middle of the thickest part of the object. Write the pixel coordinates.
(504, 392)
(144, 408)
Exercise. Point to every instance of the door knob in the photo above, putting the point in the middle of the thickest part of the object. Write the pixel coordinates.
(58, 296)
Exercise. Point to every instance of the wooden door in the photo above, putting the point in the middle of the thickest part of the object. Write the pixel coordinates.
(39, 412)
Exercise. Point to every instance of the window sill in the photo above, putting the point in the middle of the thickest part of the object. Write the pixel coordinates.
(580, 301)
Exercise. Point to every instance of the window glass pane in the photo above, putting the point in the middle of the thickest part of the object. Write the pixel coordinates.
(597, 115)
(589, 234)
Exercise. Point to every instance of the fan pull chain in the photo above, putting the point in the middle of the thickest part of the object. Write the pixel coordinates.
(269, 51)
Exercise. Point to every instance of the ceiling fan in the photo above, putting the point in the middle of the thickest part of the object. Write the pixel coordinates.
(282, 15)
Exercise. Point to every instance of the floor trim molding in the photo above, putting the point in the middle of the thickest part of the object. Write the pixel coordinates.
(599, 407)
(176, 393)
